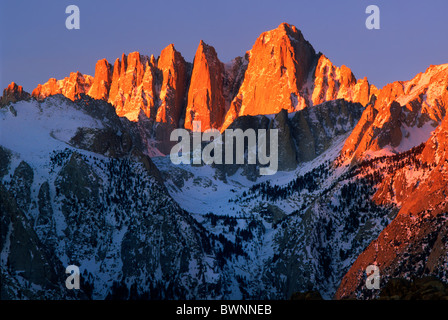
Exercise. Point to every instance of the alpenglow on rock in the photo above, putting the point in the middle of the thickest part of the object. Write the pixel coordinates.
(281, 71)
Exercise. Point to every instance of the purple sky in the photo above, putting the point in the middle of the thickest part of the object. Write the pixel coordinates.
(35, 45)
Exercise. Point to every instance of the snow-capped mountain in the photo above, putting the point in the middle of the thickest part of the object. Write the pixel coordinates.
(86, 194)
(415, 243)
(77, 190)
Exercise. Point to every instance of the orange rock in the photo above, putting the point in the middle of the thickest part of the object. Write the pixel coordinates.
(127, 93)
(76, 84)
(332, 83)
(400, 106)
(355, 140)
(102, 80)
(47, 89)
(206, 101)
(173, 88)
(113, 93)
(147, 95)
(279, 64)
(13, 93)
(281, 71)
(284, 72)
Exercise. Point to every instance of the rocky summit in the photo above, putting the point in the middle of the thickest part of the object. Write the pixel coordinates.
(86, 179)
(172, 93)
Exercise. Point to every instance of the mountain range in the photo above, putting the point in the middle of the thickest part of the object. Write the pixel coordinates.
(86, 178)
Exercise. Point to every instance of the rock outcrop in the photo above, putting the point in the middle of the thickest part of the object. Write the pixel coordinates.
(71, 86)
(415, 242)
(284, 72)
(173, 88)
(127, 92)
(174, 72)
(13, 93)
(138, 84)
(302, 135)
(281, 71)
(314, 129)
(102, 80)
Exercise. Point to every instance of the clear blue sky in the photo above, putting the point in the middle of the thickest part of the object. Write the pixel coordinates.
(35, 45)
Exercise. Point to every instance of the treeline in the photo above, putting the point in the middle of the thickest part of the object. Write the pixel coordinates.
(391, 163)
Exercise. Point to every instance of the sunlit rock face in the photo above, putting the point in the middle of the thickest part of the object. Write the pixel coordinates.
(70, 87)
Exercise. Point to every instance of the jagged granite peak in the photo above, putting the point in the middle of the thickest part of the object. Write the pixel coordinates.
(24, 252)
(281, 71)
(415, 243)
(71, 87)
(89, 198)
(156, 87)
(12, 93)
(174, 73)
(127, 92)
(135, 84)
(285, 72)
(119, 69)
(206, 102)
(279, 64)
(172, 93)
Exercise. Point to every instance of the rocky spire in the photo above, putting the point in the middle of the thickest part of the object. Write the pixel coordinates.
(13, 93)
